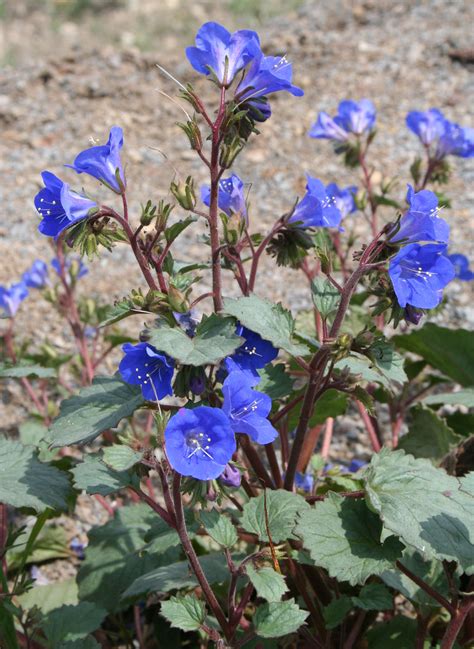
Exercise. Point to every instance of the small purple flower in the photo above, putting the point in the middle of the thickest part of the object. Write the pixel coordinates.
(199, 442)
(455, 140)
(355, 465)
(442, 136)
(419, 273)
(304, 481)
(187, 321)
(461, 267)
(428, 126)
(59, 206)
(352, 117)
(254, 353)
(78, 548)
(265, 75)
(222, 52)
(316, 208)
(73, 265)
(12, 297)
(230, 477)
(246, 408)
(103, 162)
(37, 275)
(231, 198)
(343, 199)
(145, 366)
(421, 222)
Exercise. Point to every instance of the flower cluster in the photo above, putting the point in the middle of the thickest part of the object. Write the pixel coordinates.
(35, 277)
(222, 55)
(201, 441)
(59, 206)
(353, 117)
(420, 270)
(440, 136)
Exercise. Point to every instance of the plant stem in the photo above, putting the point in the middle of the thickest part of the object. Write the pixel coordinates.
(194, 561)
(255, 462)
(374, 440)
(161, 511)
(213, 206)
(354, 632)
(427, 588)
(259, 251)
(273, 462)
(457, 621)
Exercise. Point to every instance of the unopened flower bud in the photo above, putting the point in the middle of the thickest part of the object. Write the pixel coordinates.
(184, 193)
(230, 477)
(177, 300)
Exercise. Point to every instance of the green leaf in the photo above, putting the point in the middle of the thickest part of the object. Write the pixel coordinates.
(27, 482)
(114, 557)
(173, 231)
(187, 613)
(121, 457)
(268, 583)
(119, 311)
(51, 596)
(276, 619)
(432, 573)
(179, 575)
(374, 597)
(335, 612)
(384, 366)
(332, 403)
(326, 297)
(275, 382)
(219, 527)
(398, 633)
(34, 433)
(70, 623)
(428, 509)
(271, 321)
(459, 398)
(50, 544)
(282, 510)
(343, 536)
(428, 435)
(462, 423)
(96, 408)
(214, 340)
(451, 351)
(23, 369)
(94, 477)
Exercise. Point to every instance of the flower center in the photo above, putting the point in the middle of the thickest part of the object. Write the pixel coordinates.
(251, 351)
(198, 441)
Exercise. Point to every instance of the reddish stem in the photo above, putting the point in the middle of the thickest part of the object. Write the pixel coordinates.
(374, 440)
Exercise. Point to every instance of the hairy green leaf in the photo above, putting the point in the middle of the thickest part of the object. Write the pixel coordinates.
(121, 457)
(335, 612)
(275, 382)
(282, 510)
(428, 509)
(374, 597)
(450, 351)
(343, 536)
(186, 613)
(398, 633)
(27, 482)
(326, 297)
(459, 398)
(268, 583)
(179, 575)
(276, 619)
(96, 408)
(23, 369)
(219, 527)
(93, 476)
(214, 340)
(271, 321)
(69, 623)
(428, 435)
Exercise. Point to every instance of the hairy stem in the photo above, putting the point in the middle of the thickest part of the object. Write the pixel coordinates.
(193, 559)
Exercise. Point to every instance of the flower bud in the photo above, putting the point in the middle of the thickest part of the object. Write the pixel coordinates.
(412, 315)
(230, 477)
(184, 193)
(177, 300)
